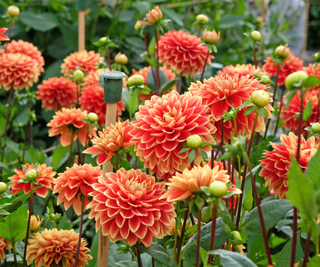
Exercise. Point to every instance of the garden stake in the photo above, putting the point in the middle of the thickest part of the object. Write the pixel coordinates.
(112, 82)
(80, 230)
(81, 8)
(213, 229)
(274, 97)
(295, 211)
(278, 119)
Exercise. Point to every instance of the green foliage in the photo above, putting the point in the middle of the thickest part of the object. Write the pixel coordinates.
(229, 258)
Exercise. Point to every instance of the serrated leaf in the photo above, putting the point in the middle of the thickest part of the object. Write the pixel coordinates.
(289, 97)
(246, 104)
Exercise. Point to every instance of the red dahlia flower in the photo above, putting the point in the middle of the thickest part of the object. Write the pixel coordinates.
(130, 205)
(4, 245)
(18, 71)
(163, 124)
(275, 164)
(45, 178)
(73, 183)
(241, 70)
(110, 140)
(291, 64)
(182, 52)
(68, 123)
(53, 247)
(221, 92)
(27, 49)
(57, 93)
(2, 36)
(87, 61)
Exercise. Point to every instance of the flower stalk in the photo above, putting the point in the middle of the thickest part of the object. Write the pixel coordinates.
(157, 69)
(198, 239)
(213, 228)
(186, 215)
(280, 108)
(204, 66)
(80, 231)
(28, 225)
(70, 152)
(307, 246)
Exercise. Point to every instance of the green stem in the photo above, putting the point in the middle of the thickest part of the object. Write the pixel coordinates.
(317, 237)
(186, 215)
(117, 161)
(213, 229)
(175, 242)
(28, 225)
(134, 255)
(14, 254)
(235, 127)
(70, 152)
(307, 247)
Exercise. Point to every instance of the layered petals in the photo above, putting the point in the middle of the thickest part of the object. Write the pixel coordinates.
(4, 245)
(130, 205)
(240, 69)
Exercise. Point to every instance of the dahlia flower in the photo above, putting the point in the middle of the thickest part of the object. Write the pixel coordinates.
(2, 36)
(73, 183)
(92, 100)
(221, 92)
(87, 61)
(45, 179)
(144, 73)
(183, 185)
(289, 116)
(291, 64)
(110, 140)
(313, 72)
(35, 223)
(27, 49)
(68, 123)
(240, 69)
(182, 52)
(57, 247)
(4, 245)
(130, 205)
(57, 93)
(154, 15)
(18, 71)
(275, 164)
(163, 124)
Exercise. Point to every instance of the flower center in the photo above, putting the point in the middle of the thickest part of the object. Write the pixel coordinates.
(168, 117)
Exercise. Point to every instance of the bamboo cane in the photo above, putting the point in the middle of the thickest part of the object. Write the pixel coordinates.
(81, 8)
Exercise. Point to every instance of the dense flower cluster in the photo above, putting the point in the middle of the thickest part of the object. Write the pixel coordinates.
(240, 69)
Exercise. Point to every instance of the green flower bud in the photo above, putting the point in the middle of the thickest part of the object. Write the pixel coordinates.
(206, 214)
(136, 80)
(138, 25)
(13, 11)
(3, 187)
(294, 78)
(78, 75)
(31, 175)
(218, 189)
(260, 98)
(194, 141)
(315, 127)
(93, 117)
(256, 35)
(283, 51)
(202, 19)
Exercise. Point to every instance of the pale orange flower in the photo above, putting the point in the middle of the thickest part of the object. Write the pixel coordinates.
(240, 69)
(163, 124)
(4, 245)
(130, 205)
(18, 71)
(154, 15)
(110, 140)
(57, 247)
(35, 223)
(182, 185)
(68, 123)
(275, 164)
(45, 179)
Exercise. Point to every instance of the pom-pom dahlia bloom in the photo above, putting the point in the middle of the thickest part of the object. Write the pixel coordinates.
(18, 71)
(27, 49)
(291, 64)
(57, 93)
(57, 247)
(73, 183)
(275, 164)
(87, 61)
(163, 124)
(221, 92)
(4, 245)
(182, 52)
(290, 116)
(45, 179)
(130, 205)
(182, 185)
(68, 123)
(110, 140)
(240, 69)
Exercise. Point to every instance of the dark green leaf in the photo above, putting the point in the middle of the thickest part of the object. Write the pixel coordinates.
(60, 156)
(289, 97)
(183, 150)
(192, 155)
(300, 192)
(166, 86)
(152, 46)
(315, 261)
(246, 104)
(127, 263)
(150, 81)
(273, 211)
(203, 154)
(177, 18)
(313, 174)
(265, 112)
(307, 111)
(229, 258)
(65, 223)
(310, 82)
(230, 21)
(41, 21)
(250, 110)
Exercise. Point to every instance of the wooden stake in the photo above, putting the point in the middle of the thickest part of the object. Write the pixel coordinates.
(81, 30)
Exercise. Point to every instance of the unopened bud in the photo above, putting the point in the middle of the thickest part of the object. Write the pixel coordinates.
(295, 78)
(93, 117)
(283, 51)
(211, 37)
(121, 59)
(154, 15)
(256, 35)
(78, 75)
(31, 175)
(194, 141)
(35, 223)
(265, 79)
(136, 80)
(260, 98)
(218, 189)
(316, 57)
(138, 25)
(202, 19)
(13, 11)
(315, 127)
(3, 187)
(258, 73)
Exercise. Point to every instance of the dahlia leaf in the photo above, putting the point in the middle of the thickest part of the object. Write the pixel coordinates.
(225, 214)
(289, 97)
(199, 202)
(300, 192)
(265, 112)
(165, 87)
(203, 154)
(229, 258)
(315, 261)
(151, 82)
(205, 189)
(310, 82)
(313, 175)
(250, 110)
(159, 253)
(152, 46)
(192, 155)
(307, 111)
(183, 150)
(248, 103)
(102, 50)
(273, 211)
(259, 110)
(206, 144)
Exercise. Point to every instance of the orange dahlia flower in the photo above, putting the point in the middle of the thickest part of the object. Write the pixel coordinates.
(68, 123)
(57, 93)
(4, 245)
(221, 92)
(182, 52)
(87, 61)
(92, 100)
(2, 36)
(27, 49)
(163, 124)
(144, 73)
(18, 71)
(275, 164)
(73, 183)
(290, 116)
(240, 69)
(45, 178)
(57, 247)
(182, 185)
(291, 64)
(130, 205)
(110, 140)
